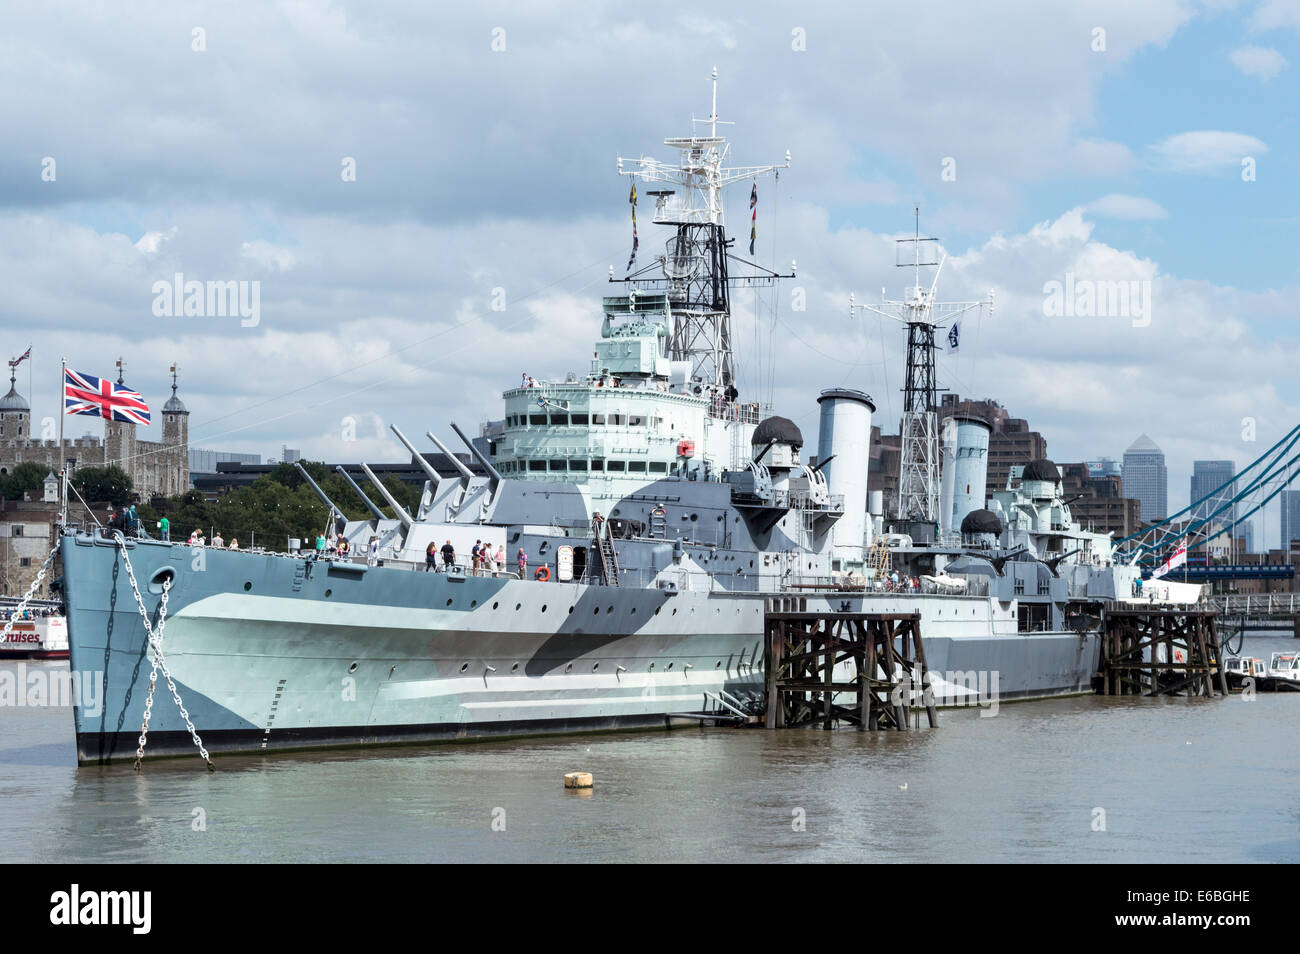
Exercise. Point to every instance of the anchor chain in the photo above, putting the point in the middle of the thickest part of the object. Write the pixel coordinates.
(27, 597)
(159, 662)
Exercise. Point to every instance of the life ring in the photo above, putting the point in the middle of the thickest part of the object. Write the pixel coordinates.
(1178, 656)
(543, 574)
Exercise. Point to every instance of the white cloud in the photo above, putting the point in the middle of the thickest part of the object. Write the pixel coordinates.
(1205, 152)
(1261, 62)
(268, 256)
(151, 242)
(1273, 14)
(1133, 207)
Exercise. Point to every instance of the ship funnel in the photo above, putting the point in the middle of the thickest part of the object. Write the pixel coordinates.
(402, 515)
(370, 504)
(845, 435)
(947, 474)
(971, 466)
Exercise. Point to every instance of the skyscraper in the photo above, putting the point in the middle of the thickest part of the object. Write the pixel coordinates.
(1290, 522)
(1208, 476)
(1146, 479)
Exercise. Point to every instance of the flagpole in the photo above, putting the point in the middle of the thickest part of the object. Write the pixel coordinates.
(63, 466)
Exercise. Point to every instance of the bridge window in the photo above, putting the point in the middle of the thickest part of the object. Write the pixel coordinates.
(577, 465)
(635, 420)
(537, 420)
(658, 467)
(597, 464)
(579, 420)
(617, 418)
(615, 465)
(559, 465)
(636, 466)
(561, 419)
(537, 465)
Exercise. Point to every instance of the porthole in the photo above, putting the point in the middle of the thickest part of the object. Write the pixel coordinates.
(543, 607)
(328, 594)
(472, 603)
(495, 605)
(595, 611)
(449, 602)
(694, 517)
(570, 610)
(670, 666)
(595, 666)
(674, 610)
(464, 666)
(517, 605)
(718, 664)
(609, 609)
(657, 609)
(352, 668)
(247, 586)
(569, 668)
(652, 667)
(515, 667)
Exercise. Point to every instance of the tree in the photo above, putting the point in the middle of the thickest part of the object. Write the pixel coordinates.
(27, 476)
(103, 483)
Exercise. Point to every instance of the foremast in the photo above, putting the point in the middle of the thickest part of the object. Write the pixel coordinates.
(695, 265)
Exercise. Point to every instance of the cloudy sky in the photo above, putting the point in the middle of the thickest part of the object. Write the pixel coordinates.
(1094, 141)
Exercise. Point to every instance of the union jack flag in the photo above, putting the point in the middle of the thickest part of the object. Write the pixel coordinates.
(100, 397)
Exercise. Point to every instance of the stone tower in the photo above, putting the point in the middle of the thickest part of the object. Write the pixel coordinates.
(119, 442)
(176, 438)
(15, 413)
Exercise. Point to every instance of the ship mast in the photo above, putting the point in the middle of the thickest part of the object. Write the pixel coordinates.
(918, 477)
(695, 273)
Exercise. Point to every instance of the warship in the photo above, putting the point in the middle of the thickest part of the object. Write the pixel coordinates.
(660, 517)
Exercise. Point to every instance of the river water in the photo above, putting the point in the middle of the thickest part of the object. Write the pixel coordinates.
(1086, 779)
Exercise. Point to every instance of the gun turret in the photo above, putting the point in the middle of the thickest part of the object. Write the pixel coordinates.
(316, 487)
(434, 477)
(465, 472)
(370, 504)
(402, 515)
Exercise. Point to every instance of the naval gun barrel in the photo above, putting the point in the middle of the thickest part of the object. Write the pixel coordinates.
(464, 471)
(316, 487)
(402, 515)
(478, 456)
(432, 474)
(370, 504)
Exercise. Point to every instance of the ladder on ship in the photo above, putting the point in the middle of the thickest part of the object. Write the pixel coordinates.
(878, 558)
(659, 523)
(604, 546)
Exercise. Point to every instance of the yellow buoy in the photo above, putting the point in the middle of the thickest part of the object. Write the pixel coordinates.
(577, 780)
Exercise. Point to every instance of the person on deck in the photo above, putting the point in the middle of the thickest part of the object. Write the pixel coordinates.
(523, 564)
(448, 556)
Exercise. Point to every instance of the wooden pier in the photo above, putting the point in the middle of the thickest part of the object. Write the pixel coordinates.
(802, 650)
(1133, 640)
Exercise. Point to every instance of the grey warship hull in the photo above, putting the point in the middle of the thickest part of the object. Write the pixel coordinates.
(276, 653)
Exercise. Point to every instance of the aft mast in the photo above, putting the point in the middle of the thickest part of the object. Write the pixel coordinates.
(918, 479)
(695, 263)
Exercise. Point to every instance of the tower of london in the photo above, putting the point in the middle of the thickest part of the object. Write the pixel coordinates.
(156, 468)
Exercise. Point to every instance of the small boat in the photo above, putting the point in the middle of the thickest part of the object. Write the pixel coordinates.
(1240, 668)
(37, 637)
(1284, 673)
